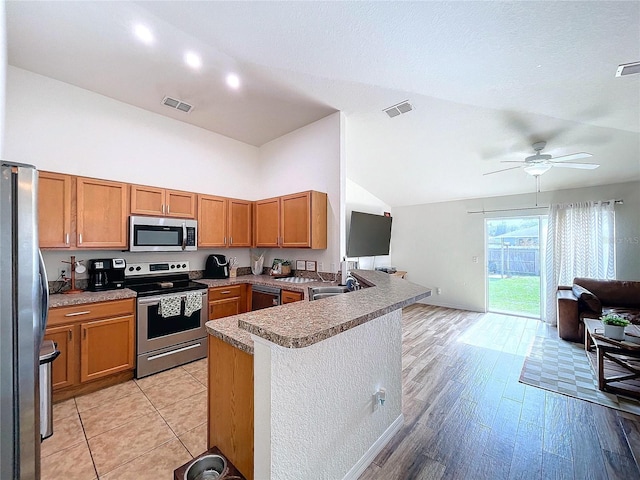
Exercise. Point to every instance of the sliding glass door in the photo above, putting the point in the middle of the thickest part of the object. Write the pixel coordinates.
(514, 265)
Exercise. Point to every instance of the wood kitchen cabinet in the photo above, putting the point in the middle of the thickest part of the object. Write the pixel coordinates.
(101, 213)
(64, 372)
(223, 222)
(54, 210)
(96, 343)
(81, 213)
(227, 301)
(162, 202)
(288, 296)
(298, 220)
(230, 409)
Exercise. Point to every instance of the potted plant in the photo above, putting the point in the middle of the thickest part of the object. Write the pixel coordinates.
(286, 267)
(614, 326)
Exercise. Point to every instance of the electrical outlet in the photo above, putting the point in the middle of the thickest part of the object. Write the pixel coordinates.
(63, 272)
(320, 267)
(333, 268)
(438, 291)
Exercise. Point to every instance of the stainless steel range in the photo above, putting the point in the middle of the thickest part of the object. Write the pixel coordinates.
(171, 313)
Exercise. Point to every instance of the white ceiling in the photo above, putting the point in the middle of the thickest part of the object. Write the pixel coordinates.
(486, 79)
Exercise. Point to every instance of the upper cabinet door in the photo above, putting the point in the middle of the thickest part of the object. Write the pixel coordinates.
(295, 214)
(267, 222)
(102, 212)
(180, 204)
(212, 221)
(239, 223)
(54, 210)
(147, 200)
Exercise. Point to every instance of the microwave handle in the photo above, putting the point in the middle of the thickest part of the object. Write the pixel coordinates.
(184, 236)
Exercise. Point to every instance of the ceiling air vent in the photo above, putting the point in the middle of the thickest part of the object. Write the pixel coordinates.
(395, 110)
(177, 104)
(628, 69)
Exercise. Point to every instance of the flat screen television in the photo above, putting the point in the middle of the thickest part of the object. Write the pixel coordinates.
(369, 235)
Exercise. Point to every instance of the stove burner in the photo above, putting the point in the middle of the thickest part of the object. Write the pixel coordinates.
(163, 284)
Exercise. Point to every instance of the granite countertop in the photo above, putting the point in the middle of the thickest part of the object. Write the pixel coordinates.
(66, 300)
(301, 324)
(266, 280)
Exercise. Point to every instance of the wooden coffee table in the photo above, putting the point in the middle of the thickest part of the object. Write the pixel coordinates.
(616, 363)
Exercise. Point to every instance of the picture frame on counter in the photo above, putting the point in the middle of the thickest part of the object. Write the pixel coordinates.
(301, 265)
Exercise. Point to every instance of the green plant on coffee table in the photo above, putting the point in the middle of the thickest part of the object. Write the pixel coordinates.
(614, 319)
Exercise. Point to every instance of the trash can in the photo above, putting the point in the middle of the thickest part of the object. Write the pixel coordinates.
(48, 353)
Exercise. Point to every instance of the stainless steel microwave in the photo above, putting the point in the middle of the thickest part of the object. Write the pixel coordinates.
(158, 234)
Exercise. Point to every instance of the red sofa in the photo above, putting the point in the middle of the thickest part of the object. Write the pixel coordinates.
(591, 298)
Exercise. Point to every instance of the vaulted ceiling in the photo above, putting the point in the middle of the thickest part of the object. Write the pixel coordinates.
(485, 79)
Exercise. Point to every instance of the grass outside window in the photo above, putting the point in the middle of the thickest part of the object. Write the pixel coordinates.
(515, 294)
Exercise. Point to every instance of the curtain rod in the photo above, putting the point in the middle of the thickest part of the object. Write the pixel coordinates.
(606, 202)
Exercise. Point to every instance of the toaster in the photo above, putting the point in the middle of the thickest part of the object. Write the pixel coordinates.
(217, 266)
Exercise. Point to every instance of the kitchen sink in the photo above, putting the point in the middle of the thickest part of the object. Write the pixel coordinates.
(317, 293)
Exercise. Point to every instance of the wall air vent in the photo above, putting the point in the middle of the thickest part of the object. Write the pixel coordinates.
(395, 110)
(177, 104)
(628, 69)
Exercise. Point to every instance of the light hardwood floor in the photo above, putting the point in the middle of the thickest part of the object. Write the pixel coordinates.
(467, 417)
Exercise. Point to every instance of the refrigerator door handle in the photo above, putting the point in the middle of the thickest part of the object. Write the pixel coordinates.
(44, 299)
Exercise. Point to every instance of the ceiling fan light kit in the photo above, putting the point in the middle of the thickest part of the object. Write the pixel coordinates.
(537, 169)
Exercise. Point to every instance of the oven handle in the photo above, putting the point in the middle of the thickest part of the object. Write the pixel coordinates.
(156, 300)
(196, 345)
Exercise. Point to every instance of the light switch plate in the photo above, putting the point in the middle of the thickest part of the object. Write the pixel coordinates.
(301, 265)
(311, 265)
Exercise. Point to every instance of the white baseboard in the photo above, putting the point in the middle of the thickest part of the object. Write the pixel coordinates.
(362, 464)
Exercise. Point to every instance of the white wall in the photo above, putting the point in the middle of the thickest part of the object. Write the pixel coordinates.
(361, 200)
(314, 406)
(436, 242)
(309, 158)
(63, 128)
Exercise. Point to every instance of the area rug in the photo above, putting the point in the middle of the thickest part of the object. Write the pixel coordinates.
(562, 367)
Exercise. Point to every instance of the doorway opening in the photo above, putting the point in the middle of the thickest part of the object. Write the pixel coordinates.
(515, 265)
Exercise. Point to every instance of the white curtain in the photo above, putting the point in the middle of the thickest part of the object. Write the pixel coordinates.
(580, 243)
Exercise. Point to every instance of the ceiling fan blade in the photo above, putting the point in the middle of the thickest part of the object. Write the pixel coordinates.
(512, 161)
(498, 171)
(583, 166)
(573, 156)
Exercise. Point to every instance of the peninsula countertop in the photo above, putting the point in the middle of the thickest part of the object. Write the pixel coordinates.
(301, 324)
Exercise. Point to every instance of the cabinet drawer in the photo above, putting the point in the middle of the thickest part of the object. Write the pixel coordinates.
(220, 293)
(289, 297)
(90, 311)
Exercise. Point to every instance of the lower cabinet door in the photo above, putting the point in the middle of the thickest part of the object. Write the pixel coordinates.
(107, 346)
(224, 308)
(64, 369)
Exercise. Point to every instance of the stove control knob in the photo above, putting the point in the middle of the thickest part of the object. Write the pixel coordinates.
(173, 266)
(184, 265)
(138, 268)
(131, 269)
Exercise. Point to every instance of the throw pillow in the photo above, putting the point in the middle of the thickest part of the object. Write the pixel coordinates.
(587, 298)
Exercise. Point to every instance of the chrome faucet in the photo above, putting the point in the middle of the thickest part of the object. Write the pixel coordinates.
(352, 283)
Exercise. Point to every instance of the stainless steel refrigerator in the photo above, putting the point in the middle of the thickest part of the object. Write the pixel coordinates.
(23, 317)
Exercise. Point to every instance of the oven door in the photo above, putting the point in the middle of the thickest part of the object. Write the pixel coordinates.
(156, 332)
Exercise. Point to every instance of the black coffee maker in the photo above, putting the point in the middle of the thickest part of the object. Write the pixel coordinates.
(217, 266)
(106, 274)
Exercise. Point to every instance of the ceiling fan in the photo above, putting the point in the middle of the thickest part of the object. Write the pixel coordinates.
(537, 164)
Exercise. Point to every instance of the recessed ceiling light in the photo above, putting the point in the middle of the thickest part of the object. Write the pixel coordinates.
(144, 34)
(233, 81)
(193, 60)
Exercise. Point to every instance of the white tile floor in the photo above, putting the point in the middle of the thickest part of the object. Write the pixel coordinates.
(141, 429)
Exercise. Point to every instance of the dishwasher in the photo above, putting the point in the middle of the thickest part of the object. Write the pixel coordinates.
(264, 297)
